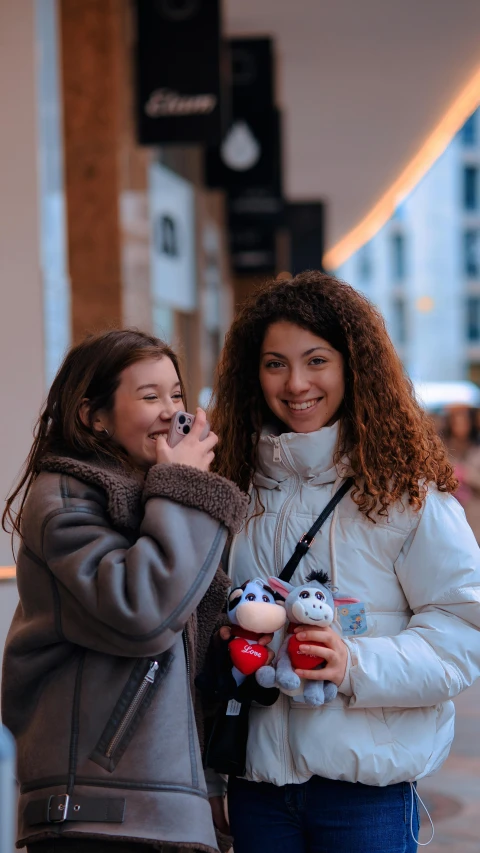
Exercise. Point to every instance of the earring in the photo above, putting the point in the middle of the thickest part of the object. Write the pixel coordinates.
(105, 430)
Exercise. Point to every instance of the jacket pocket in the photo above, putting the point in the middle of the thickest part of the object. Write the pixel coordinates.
(132, 705)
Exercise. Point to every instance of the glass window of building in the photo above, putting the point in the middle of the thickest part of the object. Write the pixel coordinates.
(470, 187)
(364, 261)
(468, 133)
(471, 252)
(473, 318)
(399, 318)
(398, 259)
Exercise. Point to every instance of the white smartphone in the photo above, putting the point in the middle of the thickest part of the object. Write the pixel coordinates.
(180, 426)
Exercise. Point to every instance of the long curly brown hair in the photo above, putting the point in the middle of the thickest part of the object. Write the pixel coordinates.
(390, 441)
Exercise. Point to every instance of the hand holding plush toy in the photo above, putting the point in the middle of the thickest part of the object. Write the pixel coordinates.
(252, 612)
(310, 604)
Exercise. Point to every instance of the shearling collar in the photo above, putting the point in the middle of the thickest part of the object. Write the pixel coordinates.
(123, 491)
(188, 486)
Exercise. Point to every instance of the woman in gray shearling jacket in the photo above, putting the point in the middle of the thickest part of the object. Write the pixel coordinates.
(121, 538)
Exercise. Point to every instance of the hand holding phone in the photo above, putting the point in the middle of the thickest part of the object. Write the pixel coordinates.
(189, 441)
(181, 425)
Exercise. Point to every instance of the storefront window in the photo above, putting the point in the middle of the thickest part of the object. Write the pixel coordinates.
(470, 188)
(471, 252)
(56, 287)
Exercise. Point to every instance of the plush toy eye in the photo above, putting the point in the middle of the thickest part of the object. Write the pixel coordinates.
(305, 594)
(251, 597)
(266, 598)
(320, 596)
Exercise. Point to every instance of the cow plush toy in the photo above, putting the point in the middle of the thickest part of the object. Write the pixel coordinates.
(310, 604)
(252, 611)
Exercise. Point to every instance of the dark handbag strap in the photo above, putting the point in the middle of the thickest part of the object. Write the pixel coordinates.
(307, 539)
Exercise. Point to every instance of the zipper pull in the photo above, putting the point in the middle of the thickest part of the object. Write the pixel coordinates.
(150, 676)
(277, 456)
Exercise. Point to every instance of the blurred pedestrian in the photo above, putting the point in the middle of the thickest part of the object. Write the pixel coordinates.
(311, 392)
(461, 439)
(121, 538)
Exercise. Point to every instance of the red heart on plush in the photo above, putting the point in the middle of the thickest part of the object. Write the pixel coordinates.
(299, 660)
(245, 657)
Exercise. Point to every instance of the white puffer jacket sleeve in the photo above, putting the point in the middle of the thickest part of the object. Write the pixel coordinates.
(438, 654)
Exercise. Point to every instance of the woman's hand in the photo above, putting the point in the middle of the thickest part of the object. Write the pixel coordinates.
(217, 805)
(333, 651)
(190, 450)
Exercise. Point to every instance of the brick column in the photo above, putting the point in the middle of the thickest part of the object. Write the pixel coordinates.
(91, 57)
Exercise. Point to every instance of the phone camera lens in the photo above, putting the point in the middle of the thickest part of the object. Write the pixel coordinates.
(186, 430)
(181, 419)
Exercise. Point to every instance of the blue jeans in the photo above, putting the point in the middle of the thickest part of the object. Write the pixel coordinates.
(321, 816)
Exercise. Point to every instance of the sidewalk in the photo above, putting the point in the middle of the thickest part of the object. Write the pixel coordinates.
(452, 795)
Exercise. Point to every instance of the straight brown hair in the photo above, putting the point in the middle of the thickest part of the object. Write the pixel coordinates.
(91, 370)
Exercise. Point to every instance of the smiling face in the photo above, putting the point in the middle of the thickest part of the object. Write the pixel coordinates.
(146, 399)
(302, 377)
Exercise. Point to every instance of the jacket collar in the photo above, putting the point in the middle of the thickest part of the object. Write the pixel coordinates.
(306, 455)
(123, 491)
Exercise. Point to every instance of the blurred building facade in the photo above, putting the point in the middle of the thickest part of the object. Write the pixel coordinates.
(96, 231)
(156, 257)
(422, 269)
(104, 199)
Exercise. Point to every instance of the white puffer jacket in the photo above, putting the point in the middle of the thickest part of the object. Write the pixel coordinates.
(418, 575)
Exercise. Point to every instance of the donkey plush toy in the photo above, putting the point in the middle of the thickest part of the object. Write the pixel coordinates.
(310, 604)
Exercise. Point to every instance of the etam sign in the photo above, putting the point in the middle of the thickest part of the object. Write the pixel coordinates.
(178, 81)
(165, 102)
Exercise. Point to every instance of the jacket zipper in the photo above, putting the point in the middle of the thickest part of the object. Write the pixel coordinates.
(285, 507)
(283, 704)
(187, 656)
(191, 722)
(132, 709)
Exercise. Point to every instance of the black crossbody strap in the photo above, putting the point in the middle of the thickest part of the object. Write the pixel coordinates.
(307, 538)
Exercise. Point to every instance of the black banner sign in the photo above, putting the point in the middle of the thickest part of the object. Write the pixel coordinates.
(253, 75)
(249, 157)
(306, 223)
(252, 246)
(179, 97)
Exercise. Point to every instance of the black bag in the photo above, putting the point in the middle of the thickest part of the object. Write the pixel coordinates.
(226, 732)
(226, 744)
(226, 747)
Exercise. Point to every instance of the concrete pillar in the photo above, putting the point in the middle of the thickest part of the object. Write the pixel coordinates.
(21, 316)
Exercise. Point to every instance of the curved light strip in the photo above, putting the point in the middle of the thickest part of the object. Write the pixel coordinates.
(7, 573)
(433, 147)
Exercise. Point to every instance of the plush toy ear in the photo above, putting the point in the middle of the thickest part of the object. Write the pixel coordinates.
(234, 597)
(282, 587)
(342, 600)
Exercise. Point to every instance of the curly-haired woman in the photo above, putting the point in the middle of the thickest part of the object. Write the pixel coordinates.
(309, 371)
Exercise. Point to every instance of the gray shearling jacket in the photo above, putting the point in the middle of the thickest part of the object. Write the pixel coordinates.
(119, 594)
